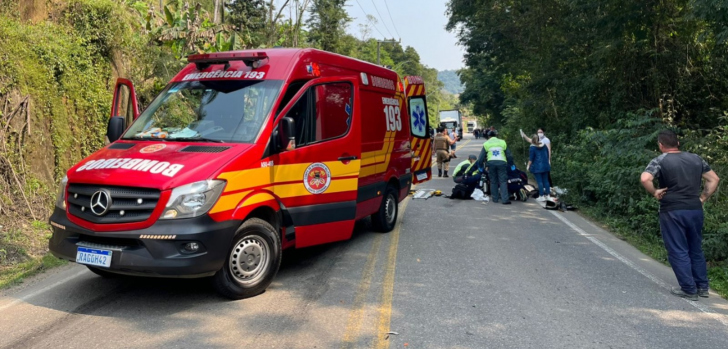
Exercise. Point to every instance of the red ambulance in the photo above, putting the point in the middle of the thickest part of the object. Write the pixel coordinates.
(242, 155)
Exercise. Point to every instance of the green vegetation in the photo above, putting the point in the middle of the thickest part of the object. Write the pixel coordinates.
(59, 61)
(602, 77)
(16, 273)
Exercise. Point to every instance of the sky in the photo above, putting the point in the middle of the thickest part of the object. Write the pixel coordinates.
(419, 23)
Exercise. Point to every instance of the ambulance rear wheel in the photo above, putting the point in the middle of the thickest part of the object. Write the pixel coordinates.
(386, 217)
(252, 262)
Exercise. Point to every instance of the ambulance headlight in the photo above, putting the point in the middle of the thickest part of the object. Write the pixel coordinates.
(61, 199)
(193, 199)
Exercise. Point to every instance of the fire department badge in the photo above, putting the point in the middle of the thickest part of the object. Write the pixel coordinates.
(152, 148)
(317, 178)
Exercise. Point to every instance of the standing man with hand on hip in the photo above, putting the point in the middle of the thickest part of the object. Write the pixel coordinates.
(494, 151)
(441, 145)
(681, 211)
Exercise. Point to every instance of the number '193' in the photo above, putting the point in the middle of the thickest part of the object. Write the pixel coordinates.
(393, 119)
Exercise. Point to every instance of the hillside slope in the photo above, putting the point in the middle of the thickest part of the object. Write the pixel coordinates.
(59, 63)
(451, 80)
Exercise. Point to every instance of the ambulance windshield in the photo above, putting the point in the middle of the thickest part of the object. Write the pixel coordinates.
(214, 111)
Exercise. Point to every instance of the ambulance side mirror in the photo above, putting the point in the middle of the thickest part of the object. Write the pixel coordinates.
(116, 128)
(286, 134)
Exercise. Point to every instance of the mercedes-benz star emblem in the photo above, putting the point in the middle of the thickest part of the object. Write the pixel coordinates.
(100, 202)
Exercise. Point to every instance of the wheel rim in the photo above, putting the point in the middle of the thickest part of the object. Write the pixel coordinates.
(249, 259)
(390, 209)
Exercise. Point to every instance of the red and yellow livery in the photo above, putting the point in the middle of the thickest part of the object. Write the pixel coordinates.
(242, 155)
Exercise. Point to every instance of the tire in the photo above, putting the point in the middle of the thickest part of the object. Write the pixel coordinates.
(259, 241)
(385, 219)
(103, 273)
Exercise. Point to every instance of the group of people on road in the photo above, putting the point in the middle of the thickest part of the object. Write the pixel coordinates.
(478, 133)
(679, 174)
(495, 159)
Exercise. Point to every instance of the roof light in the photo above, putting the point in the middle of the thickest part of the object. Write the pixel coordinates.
(251, 59)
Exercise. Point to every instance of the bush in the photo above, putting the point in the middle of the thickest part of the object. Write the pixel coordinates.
(601, 169)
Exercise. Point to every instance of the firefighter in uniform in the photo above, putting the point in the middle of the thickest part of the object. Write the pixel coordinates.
(442, 147)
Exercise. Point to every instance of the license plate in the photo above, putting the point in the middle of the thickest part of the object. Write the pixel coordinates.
(422, 176)
(92, 256)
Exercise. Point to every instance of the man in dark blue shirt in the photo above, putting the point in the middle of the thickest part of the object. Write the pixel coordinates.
(680, 176)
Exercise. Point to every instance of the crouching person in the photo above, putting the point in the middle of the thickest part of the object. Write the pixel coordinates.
(467, 176)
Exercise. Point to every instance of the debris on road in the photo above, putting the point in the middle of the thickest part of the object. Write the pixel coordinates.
(423, 194)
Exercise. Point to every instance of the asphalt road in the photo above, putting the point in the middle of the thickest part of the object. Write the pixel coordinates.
(455, 274)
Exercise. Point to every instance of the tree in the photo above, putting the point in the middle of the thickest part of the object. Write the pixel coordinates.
(249, 18)
(327, 24)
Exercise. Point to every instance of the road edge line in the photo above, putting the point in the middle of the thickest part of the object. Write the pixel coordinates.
(718, 317)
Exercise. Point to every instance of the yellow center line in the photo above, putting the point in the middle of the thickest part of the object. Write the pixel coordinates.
(462, 145)
(385, 308)
(355, 317)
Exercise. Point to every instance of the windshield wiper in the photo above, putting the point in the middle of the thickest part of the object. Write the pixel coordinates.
(195, 139)
(136, 138)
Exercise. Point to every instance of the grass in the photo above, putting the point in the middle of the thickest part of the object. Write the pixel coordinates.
(24, 252)
(15, 274)
(653, 246)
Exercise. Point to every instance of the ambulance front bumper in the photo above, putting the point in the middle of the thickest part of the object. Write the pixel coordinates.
(158, 251)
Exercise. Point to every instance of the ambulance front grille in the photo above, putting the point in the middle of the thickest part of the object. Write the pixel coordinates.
(127, 204)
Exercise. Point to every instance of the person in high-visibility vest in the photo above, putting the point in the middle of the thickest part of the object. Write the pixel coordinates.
(467, 173)
(494, 156)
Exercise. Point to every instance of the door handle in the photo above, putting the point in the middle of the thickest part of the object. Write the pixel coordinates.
(347, 158)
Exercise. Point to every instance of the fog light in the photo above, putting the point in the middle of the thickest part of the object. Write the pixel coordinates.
(192, 247)
(170, 214)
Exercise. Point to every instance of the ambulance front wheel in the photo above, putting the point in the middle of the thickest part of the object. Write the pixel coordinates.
(386, 217)
(252, 262)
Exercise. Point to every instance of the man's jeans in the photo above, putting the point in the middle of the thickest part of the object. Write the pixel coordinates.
(683, 236)
(498, 175)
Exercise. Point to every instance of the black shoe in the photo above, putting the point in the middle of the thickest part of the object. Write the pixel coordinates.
(703, 292)
(446, 174)
(680, 293)
(506, 203)
(439, 173)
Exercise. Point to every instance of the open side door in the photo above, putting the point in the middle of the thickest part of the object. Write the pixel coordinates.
(420, 141)
(125, 101)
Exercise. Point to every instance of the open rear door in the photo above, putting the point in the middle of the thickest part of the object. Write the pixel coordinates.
(125, 101)
(419, 129)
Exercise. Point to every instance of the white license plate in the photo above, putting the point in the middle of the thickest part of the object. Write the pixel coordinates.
(92, 256)
(422, 176)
